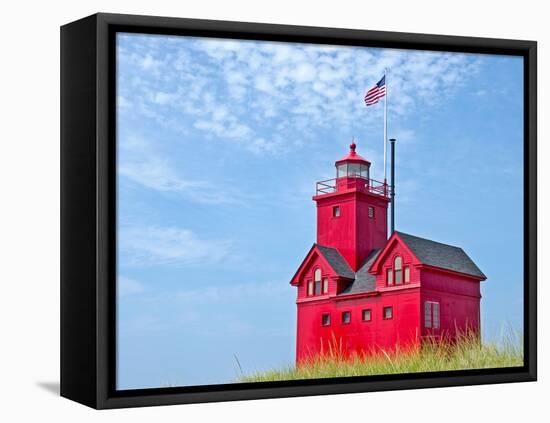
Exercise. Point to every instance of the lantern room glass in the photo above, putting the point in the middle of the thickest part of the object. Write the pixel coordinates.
(352, 170)
(342, 170)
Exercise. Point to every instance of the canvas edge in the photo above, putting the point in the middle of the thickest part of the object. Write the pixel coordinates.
(103, 340)
(78, 311)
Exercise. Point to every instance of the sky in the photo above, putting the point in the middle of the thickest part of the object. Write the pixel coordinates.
(219, 145)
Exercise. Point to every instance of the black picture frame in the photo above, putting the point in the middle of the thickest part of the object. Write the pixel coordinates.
(88, 235)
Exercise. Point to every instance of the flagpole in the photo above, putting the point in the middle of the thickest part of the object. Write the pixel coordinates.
(385, 123)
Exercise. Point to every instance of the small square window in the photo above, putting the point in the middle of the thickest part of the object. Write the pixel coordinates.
(346, 317)
(371, 212)
(325, 319)
(367, 315)
(336, 211)
(388, 312)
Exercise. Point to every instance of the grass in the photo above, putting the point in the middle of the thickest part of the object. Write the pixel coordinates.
(467, 352)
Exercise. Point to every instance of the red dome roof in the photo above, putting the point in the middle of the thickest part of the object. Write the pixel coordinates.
(352, 156)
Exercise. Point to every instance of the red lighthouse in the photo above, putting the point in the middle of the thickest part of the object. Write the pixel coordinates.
(368, 293)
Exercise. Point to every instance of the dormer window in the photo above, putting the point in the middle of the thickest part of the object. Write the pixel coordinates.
(397, 268)
(317, 281)
(318, 285)
(398, 274)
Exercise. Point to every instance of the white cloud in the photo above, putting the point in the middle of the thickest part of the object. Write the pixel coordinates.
(127, 286)
(240, 90)
(152, 245)
(141, 164)
(148, 62)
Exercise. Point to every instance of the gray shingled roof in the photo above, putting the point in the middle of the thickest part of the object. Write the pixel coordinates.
(364, 281)
(427, 251)
(441, 255)
(336, 261)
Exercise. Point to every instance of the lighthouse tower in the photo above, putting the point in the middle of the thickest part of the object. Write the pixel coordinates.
(352, 210)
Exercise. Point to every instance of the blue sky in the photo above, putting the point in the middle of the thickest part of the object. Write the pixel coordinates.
(220, 143)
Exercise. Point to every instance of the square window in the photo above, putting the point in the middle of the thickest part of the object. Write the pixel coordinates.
(325, 319)
(346, 317)
(336, 211)
(325, 285)
(388, 312)
(371, 212)
(367, 315)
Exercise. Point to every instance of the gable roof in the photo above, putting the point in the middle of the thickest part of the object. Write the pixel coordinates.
(336, 261)
(441, 255)
(331, 255)
(364, 280)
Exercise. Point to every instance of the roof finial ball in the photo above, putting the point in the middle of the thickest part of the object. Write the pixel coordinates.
(352, 146)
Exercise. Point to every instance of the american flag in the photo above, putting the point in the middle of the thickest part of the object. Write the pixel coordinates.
(377, 92)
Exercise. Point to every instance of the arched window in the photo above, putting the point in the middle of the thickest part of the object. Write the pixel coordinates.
(398, 270)
(317, 281)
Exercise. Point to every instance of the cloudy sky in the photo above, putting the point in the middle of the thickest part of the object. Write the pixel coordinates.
(220, 143)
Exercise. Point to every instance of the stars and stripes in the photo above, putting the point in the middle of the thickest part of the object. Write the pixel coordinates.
(376, 93)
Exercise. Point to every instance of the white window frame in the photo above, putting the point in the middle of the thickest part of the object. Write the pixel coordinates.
(398, 270)
(369, 310)
(432, 315)
(317, 281)
(324, 288)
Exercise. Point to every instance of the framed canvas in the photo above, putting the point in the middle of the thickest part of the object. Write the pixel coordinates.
(258, 211)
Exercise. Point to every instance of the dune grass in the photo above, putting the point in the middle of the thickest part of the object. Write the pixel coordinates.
(466, 352)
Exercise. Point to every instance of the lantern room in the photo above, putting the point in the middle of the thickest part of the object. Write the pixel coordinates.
(352, 173)
(352, 165)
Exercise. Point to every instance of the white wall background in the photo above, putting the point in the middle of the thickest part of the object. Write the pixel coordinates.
(29, 178)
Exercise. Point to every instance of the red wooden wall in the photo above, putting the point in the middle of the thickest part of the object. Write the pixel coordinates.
(401, 330)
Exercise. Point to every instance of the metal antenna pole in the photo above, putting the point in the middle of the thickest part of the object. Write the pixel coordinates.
(392, 191)
(385, 122)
